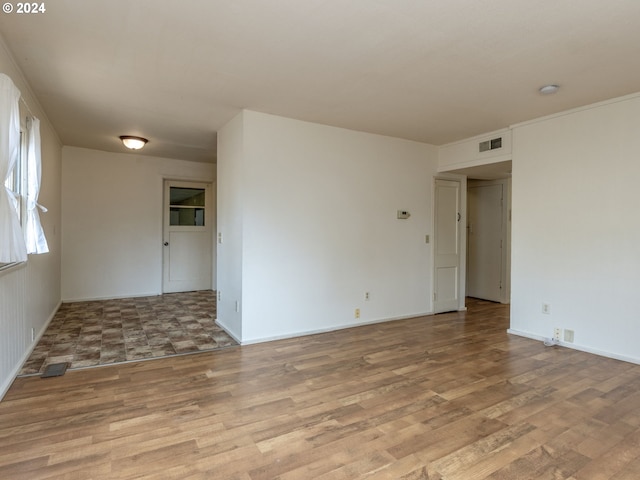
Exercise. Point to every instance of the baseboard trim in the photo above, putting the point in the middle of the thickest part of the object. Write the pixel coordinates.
(4, 388)
(228, 331)
(333, 328)
(110, 297)
(582, 348)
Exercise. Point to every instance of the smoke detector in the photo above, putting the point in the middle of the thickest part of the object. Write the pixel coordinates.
(549, 89)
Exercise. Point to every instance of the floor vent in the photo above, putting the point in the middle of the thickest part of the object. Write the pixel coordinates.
(54, 370)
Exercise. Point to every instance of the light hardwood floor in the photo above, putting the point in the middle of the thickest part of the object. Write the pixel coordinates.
(445, 397)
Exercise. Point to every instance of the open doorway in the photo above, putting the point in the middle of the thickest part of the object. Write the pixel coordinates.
(488, 232)
(487, 240)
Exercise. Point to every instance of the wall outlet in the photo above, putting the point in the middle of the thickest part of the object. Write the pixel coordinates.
(219, 295)
(367, 296)
(33, 334)
(357, 313)
(557, 332)
(568, 335)
(546, 308)
(237, 306)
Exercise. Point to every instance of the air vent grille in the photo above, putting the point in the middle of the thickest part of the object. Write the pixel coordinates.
(492, 144)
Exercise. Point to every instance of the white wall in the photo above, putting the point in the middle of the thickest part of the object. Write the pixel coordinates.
(112, 221)
(319, 226)
(230, 222)
(30, 294)
(575, 238)
(466, 153)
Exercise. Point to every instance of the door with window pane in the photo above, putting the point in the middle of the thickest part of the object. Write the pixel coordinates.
(187, 241)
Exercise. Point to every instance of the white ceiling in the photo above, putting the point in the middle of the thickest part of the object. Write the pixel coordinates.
(434, 71)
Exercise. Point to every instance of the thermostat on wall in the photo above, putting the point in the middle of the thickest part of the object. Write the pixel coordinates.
(403, 214)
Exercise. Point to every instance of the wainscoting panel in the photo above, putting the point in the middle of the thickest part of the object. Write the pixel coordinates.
(13, 341)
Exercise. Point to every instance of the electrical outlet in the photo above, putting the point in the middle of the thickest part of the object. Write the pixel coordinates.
(568, 335)
(33, 334)
(546, 308)
(357, 313)
(367, 296)
(237, 306)
(557, 332)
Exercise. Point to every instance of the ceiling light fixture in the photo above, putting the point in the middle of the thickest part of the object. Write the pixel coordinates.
(133, 143)
(549, 89)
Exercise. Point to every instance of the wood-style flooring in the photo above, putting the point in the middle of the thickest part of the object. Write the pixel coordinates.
(443, 397)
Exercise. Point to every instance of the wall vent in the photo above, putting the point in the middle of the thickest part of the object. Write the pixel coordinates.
(492, 144)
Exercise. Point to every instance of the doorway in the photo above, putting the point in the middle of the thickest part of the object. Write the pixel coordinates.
(486, 240)
(187, 237)
(490, 173)
(488, 274)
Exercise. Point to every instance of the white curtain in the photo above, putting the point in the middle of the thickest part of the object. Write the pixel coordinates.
(12, 244)
(36, 241)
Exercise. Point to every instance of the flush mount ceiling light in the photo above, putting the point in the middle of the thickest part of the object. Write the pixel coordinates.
(549, 89)
(134, 143)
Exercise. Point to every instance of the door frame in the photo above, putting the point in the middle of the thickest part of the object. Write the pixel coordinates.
(210, 218)
(462, 237)
(505, 234)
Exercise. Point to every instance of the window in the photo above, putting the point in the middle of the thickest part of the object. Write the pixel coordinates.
(186, 207)
(20, 170)
(13, 247)
(15, 181)
(17, 184)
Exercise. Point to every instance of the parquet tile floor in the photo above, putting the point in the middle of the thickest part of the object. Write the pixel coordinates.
(445, 397)
(103, 332)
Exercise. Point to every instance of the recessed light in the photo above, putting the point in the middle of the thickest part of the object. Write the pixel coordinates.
(133, 143)
(549, 89)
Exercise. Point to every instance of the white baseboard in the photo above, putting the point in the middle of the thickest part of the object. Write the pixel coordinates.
(4, 388)
(228, 331)
(110, 297)
(575, 346)
(332, 328)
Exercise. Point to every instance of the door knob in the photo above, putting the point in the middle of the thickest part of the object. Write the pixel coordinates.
(166, 244)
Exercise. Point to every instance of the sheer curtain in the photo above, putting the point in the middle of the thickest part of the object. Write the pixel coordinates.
(12, 244)
(36, 241)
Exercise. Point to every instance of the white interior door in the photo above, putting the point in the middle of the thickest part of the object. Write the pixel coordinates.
(188, 246)
(446, 246)
(484, 237)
